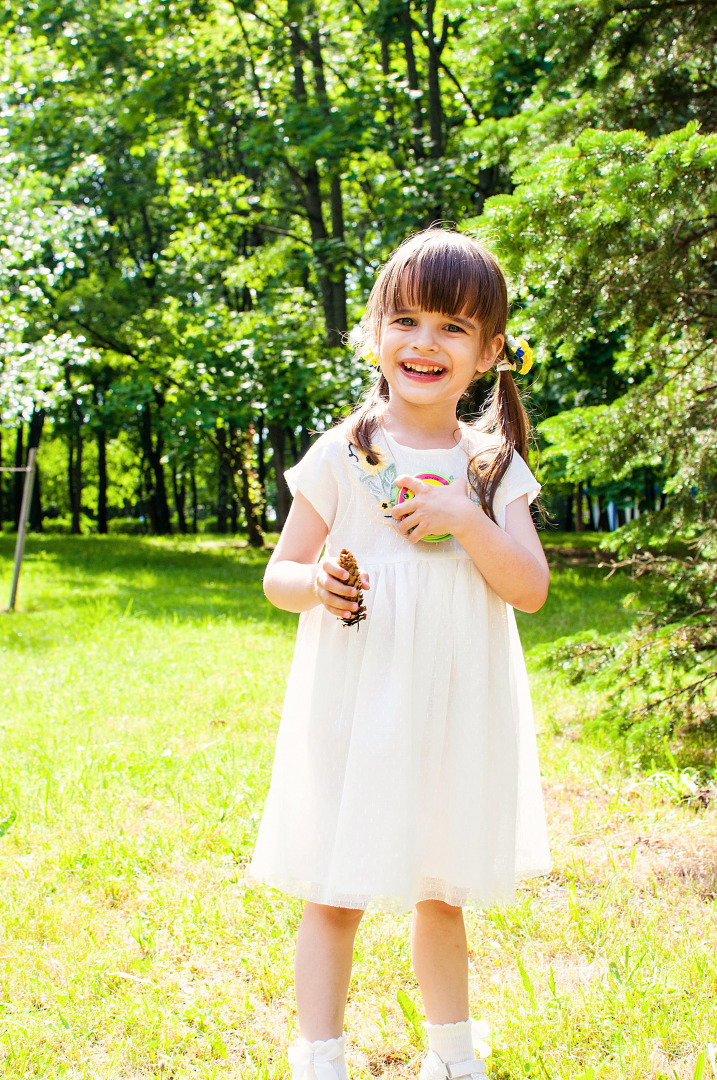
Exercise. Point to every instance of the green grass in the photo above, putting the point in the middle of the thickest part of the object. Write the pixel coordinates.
(141, 686)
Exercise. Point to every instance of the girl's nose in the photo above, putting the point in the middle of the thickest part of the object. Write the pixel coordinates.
(424, 340)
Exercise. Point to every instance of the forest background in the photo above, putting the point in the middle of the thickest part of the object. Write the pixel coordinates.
(195, 198)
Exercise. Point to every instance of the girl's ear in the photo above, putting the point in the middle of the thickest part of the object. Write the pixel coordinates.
(490, 353)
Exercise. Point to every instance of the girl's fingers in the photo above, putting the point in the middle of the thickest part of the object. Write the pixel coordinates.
(334, 569)
(333, 590)
(333, 578)
(335, 605)
(413, 483)
(403, 510)
(336, 573)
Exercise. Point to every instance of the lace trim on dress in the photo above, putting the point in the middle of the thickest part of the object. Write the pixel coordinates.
(429, 889)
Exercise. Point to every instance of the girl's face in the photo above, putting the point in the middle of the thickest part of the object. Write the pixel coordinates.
(429, 358)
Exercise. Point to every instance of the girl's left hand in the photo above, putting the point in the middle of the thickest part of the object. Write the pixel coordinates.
(434, 509)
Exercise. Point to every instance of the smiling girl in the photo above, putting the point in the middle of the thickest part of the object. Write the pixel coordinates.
(406, 773)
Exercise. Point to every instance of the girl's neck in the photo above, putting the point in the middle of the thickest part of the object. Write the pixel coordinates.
(421, 428)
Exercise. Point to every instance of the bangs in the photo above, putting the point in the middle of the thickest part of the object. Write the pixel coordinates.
(445, 272)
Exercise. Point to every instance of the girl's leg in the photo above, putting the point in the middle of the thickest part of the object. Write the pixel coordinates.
(440, 961)
(324, 951)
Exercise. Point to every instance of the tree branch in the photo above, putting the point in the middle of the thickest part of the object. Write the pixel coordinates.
(692, 689)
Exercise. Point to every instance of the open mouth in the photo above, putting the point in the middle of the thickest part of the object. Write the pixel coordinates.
(422, 371)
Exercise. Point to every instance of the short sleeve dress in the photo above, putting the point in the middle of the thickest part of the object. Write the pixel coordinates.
(406, 766)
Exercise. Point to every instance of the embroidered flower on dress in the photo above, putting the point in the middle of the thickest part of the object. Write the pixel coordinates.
(375, 475)
(372, 461)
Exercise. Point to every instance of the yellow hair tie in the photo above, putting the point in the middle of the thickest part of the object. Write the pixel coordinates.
(519, 355)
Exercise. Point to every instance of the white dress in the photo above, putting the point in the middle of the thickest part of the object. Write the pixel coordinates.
(406, 766)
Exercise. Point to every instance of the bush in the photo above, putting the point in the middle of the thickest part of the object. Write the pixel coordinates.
(127, 526)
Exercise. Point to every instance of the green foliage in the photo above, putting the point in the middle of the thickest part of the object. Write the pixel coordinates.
(413, 1020)
(658, 685)
(613, 233)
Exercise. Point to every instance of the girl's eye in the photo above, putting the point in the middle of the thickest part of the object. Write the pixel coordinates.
(405, 320)
(453, 328)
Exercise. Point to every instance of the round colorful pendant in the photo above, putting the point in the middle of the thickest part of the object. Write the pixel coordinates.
(406, 493)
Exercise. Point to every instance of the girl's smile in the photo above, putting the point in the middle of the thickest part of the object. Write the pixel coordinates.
(423, 372)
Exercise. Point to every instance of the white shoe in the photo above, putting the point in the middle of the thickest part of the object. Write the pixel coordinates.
(318, 1060)
(435, 1068)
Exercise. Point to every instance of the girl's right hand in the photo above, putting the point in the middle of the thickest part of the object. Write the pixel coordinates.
(332, 590)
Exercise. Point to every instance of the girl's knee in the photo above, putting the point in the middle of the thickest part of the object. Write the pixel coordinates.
(337, 917)
(438, 910)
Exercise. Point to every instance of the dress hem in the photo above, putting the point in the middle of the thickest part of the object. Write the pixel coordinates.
(431, 889)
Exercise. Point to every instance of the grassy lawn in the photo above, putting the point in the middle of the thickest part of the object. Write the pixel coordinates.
(140, 691)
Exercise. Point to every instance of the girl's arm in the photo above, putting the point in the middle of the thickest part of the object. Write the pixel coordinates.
(511, 559)
(294, 580)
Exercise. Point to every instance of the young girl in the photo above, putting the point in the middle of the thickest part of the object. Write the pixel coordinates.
(406, 771)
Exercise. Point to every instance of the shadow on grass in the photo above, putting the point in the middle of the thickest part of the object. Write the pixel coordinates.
(172, 578)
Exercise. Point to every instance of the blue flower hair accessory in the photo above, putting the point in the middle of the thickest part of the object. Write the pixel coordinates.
(517, 356)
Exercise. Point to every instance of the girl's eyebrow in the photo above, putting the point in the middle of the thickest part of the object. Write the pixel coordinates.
(401, 310)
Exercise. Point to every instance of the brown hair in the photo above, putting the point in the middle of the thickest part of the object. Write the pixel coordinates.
(446, 271)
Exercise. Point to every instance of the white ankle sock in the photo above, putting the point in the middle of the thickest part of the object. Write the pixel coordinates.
(452, 1042)
(319, 1060)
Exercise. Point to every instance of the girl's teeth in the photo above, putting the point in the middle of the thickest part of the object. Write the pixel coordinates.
(420, 368)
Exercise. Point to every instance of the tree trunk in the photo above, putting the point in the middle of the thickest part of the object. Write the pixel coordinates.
(335, 267)
(222, 481)
(153, 449)
(338, 274)
(435, 105)
(569, 517)
(195, 504)
(33, 440)
(261, 471)
(412, 74)
(578, 508)
(18, 477)
(146, 489)
(308, 184)
(102, 481)
(179, 488)
(234, 513)
(164, 518)
(74, 466)
(246, 495)
(277, 439)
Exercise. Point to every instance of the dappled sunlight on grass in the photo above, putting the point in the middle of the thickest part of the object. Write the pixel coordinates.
(182, 579)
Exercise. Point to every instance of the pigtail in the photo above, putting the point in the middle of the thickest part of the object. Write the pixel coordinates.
(364, 423)
(505, 416)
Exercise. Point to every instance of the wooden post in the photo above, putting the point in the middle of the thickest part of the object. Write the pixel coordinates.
(22, 525)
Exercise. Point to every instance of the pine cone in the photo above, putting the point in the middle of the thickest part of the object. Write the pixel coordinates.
(348, 562)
